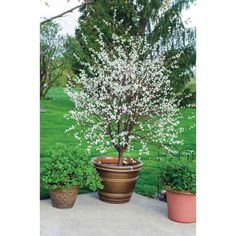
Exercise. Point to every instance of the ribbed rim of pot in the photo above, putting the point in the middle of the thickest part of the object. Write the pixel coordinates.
(181, 192)
(71, 187)
(96, 161)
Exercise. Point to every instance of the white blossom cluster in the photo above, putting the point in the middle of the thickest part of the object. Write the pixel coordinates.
(124, 97)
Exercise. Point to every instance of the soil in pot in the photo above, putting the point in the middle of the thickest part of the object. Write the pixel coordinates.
(64, 198)
(181, 206)
(119, 181)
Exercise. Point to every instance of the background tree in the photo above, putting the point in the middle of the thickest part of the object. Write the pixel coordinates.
(161, 20)
(154, 20)
(72, 46)
(52, 61)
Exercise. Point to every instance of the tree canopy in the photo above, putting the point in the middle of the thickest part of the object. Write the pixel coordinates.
(51, 56)
(154, 20)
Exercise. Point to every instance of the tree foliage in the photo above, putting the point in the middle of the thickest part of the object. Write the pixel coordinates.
(154, 20)
(125, 97)
(52, 62)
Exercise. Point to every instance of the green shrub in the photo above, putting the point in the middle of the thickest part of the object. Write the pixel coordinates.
(188, 95)
(66, 168)
(177, 173)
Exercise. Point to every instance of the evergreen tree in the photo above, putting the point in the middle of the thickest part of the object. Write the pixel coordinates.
(156, 20)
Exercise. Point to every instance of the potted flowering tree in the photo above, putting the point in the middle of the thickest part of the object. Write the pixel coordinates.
(178, 176)
(65, 173)
(123, 97)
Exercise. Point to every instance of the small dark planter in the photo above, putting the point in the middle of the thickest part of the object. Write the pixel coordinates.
(119, 181)
(64, 198)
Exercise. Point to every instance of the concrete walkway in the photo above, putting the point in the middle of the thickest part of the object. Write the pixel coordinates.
(142, 216)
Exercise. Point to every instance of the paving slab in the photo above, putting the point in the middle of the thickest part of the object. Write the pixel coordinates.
(142, 216)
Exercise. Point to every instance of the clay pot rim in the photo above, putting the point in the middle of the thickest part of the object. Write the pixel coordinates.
(180, 192)
(71, 187)
(130, 168)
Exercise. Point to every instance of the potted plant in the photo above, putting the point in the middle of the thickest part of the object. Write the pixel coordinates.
(178, 175)
(65, 173)
(123, 97)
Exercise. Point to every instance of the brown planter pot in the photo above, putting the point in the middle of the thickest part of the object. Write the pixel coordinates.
(119, 181)
(181, 206)
(64, 198)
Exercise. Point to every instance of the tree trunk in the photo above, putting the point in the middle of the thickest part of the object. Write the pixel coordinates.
(120, 157)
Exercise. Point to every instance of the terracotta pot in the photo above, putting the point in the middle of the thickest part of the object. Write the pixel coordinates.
(119, 181)
(181, 206)
(64, 198)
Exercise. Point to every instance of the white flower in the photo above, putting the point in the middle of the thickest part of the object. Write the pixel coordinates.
(125, 96)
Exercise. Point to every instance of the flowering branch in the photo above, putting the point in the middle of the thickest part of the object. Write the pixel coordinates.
(128, 92)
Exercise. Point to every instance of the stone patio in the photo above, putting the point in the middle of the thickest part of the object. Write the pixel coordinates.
(91, 217)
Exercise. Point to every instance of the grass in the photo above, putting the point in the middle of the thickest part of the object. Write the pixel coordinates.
(52, 131)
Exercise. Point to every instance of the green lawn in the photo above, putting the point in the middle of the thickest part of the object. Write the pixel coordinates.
(53, 126)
